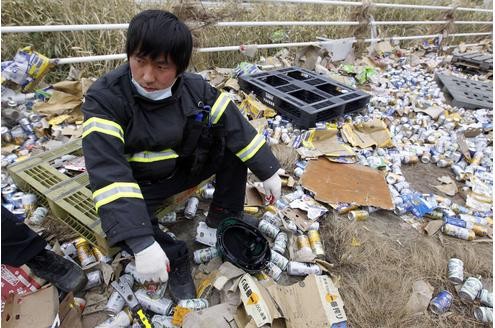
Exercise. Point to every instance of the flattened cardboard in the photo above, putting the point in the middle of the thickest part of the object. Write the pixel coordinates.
(367, 134)
(253, 197)
(346, 183)
(69, 312)
(219, 316)
(312, 303)
(327, 142)
(38, 309)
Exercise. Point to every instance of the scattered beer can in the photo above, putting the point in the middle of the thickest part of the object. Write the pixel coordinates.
(302, 243)
(205, 255)
(170, 217)
(95, 279)
(470, 289)
(484, 314)
(456, 271)
(268, 229)
(315, 242)
(17, 199)
(84, 253)
(280, 243)
(486, 298)
(280, 260)
(458, 232)
(162, 321)
(191, 208)
(100, 257)
(273, 271)
(302, 269)
(8, 193)
(160, 306)
(194, 304)
(6, 136)
(155, 290)
(121, 319)
(207, 193)
(272, 218)
(358, 215)
(39, 215)
(251, 209)
(442, 302)
(116, 302)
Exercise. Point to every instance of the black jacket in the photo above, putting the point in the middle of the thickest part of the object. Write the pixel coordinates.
(128, 139)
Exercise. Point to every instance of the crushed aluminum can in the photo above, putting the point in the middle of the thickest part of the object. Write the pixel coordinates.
(6, 136)
(486, 298)
(162, 321)
(18, 135)
(280, 260)
(303, 269)
(272, 218)
(121, 319)
(483, 314)
(84, 253)
(39, 215)
(470, 289)
(346, 208)
(315, 242)
(116, 302)
(442, 302)
(170, 217)
(458, 232)
(205, 255)
(95, 279)
(161, 306)
(435, 215)
(280, 243)
(268, 229)
(456, 271)
(358, 215)
(207, 193)
(410, 159)
(194, 304)
(8, 193)
(191, 208)
(273, 271)
(17, 199)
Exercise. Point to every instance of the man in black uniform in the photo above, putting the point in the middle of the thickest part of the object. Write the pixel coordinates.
(151, 130)
(21, 245)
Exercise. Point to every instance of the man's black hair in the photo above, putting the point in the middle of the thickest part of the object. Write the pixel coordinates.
(157, 32)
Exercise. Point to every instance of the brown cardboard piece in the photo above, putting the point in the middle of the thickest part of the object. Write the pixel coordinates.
(371, 133)
(420, 297)
(220, 316)
(433, 226)
(327, 143)
(347, 183)
(70, 313)
(38, 309)
(253, 197)
(314, 302)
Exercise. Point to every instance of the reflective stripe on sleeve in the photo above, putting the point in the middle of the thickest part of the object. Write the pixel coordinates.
(219, 107)
(152, 156)
(96, 124)
(250, 150)
(115, 191)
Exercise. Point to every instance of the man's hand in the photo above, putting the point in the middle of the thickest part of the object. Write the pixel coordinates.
(273, 188)
(152, 264)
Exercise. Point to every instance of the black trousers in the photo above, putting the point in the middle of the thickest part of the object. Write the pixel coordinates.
(230, 190)
(19, 243)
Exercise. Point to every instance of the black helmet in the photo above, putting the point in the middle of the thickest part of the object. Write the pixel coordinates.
(243, 245)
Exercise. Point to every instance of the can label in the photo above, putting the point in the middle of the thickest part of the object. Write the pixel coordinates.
(442, 302)
(459, 222)
(471, 288)
(268, 229)
(280, 260)
(456, 271)
(315, 242)
(280, 242)
(302, 269)
(204, 255)
(194, 304)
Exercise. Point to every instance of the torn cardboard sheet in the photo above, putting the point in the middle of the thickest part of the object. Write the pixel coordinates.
(220, 316)
(433, 111)
(310, 206)
(227, 272)
(339, 49)
(346, 183)
(297, 216)
(371, 133)
(316, 302)
(327, 143)
(38, 309)
(433, 226)
(448, 186)
(256, 109)
(463, 147)
(258, 304)
(422, 292)
(253, 197)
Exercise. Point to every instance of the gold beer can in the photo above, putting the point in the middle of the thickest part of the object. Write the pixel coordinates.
(315, 242)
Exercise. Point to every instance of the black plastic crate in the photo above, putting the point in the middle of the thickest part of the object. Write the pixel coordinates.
(303, 96)
(473, 61)
(466, 93)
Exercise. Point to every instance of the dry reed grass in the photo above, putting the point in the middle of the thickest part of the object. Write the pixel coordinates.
(376, 278)
(81, 43)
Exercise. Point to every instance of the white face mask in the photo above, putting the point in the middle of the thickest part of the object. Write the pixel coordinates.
(153, 95)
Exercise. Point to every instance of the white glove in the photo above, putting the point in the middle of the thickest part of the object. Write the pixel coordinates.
(273, 188)
(152, 264)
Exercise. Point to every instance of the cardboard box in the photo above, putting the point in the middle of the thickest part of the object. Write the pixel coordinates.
(19, 281)
(314, 302)
(38, 309)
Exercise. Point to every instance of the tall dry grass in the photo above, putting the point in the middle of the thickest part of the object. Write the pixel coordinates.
(376, 278)
(82, 43)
